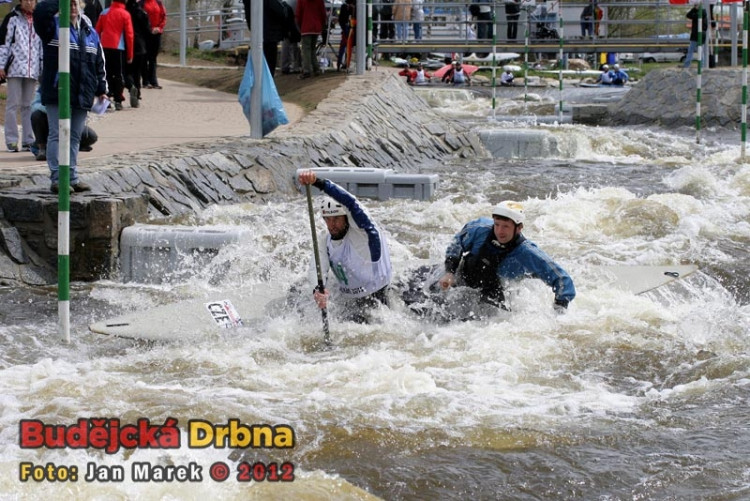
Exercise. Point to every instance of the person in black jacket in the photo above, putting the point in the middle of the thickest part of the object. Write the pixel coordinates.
(512, 13)
(693, 16)
(141, 33)
(387, 28)
(92, 10)
(346, 13)
(291, 56)
(274, 29)
(87, 81)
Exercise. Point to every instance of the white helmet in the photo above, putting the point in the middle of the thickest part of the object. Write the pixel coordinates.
(330, 207)
(511, 210)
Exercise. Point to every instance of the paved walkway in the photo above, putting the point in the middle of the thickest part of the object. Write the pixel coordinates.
(178, 113)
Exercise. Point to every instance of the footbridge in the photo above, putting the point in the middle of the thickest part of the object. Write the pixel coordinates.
(633, 27)
(414, 27)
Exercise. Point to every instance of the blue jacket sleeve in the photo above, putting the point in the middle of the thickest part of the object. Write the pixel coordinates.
(358, 214)
(528, 259)
(101, 74)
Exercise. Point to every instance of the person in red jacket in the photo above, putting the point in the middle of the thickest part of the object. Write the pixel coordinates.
(311, 19)
(409, 74)
(116, 33)
(157, 15)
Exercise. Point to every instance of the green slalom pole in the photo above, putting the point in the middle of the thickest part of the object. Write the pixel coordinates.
(368, 65)
(561, 64)
(698, 77)
(743, 128)
(63, 200)
(494, 64)
(526, 68)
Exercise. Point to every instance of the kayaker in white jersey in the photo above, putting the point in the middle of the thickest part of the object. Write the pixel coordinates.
(354, 249)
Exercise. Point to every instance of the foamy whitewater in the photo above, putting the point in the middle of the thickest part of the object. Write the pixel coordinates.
(622, 397)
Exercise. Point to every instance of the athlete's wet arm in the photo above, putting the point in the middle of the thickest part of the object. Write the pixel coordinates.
(543, 267)
(359, 216)
(451, 263)
(561, 283)
(460, 243)
(336, 192)
(563, 288)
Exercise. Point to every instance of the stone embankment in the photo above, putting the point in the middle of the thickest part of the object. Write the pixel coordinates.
(373, 120)
(668, 98)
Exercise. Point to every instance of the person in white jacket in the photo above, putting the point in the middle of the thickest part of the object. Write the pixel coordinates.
(21, 65)
(354, 250)
(417, 17)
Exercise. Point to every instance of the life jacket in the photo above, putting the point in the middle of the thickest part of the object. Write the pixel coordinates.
(479, 271)
(458, 76)
(420, 78)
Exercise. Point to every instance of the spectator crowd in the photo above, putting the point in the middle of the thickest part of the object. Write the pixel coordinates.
(112, 50)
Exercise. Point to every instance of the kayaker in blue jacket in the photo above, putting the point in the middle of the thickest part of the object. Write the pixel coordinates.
(488, 250)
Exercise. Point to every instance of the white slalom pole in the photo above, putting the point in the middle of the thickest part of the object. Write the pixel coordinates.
(369, 35)
(743, 138)
(361, 37)
(526, 67)
(183, 32)
(562, 63)
(698, 76)
(494, 63)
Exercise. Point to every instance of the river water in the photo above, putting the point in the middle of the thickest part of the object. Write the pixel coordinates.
(622, 397)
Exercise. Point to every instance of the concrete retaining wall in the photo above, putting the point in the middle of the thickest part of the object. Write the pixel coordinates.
(29, 234)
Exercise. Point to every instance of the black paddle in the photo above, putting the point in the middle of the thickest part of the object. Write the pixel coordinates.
(320, 288)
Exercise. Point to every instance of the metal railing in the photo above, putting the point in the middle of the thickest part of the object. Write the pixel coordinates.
(448, 25)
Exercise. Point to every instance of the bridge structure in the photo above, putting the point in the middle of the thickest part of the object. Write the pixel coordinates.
(448, 26)
(632, 27)
(578, 46)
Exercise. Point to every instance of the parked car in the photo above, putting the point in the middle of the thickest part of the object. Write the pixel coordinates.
(662, 57)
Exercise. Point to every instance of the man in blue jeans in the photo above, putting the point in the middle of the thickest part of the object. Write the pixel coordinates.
(87, 82)
(693, 16)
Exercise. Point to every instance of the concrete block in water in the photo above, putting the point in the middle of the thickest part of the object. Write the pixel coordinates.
(519, 143)
(381, 184)
(413, 186)
(157, 254)
(590, 114)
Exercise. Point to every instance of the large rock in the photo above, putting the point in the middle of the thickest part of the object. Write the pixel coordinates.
(668, 98)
